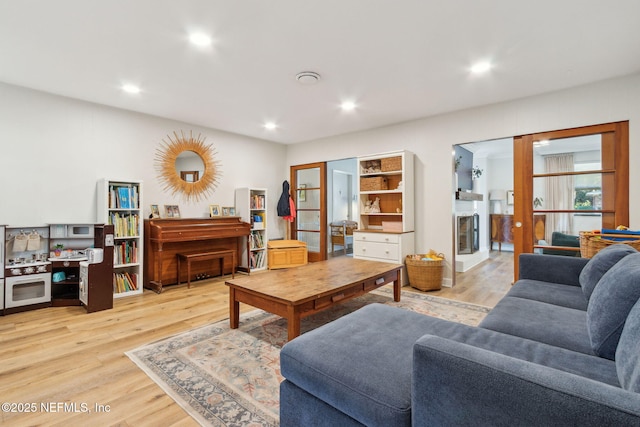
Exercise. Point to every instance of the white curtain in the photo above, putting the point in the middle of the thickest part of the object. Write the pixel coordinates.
(559, 192)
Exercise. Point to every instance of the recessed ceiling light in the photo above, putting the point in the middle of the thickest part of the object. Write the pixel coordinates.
(270, 125)
(200, 39)
(348, 106)
(481, 67)
(129, 88)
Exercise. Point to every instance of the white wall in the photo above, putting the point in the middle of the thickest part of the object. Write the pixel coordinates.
(54, 150)
(431, 139)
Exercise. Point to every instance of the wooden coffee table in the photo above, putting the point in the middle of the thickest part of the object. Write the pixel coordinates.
(300, 291)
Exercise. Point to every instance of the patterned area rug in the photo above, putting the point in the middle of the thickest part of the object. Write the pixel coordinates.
(226, 377)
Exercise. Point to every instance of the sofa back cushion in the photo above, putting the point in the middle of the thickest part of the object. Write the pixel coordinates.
(610, 304)
(628, 352)
(600, 264)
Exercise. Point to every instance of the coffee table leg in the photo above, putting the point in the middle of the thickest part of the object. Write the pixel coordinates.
(234, 309)
(396, 288)
(293, 323)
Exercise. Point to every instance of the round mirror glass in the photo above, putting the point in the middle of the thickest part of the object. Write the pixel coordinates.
(189, 166)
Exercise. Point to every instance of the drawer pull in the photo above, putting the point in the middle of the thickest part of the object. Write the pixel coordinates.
(337, 297)
(380, 281)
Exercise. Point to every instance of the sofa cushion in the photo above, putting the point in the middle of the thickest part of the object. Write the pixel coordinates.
(552, 293)
(610, 304)
(540, 321)
(628, 352)
(584, 365)
(600, 264)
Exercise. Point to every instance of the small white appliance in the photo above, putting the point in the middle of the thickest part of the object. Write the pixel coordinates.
(94, 255)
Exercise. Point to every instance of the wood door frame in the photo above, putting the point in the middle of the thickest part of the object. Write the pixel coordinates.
(313, 256)
(615, 161)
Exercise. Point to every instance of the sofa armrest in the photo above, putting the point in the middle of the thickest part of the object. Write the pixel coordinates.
(459, 384)
(551, 268)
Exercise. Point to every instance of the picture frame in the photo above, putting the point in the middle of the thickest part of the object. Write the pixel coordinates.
(226, 210)
(214, 210)
(302, 193)
(509, 197)
(155, 212)
(172, 211)
(232, 211)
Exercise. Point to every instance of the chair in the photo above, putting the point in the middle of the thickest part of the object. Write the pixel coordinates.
(566, 240)
(341, 232)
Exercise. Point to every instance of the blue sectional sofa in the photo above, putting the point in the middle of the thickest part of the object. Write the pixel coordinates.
(561, 348)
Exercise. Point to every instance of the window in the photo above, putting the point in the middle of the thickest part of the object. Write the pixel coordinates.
(588, 187)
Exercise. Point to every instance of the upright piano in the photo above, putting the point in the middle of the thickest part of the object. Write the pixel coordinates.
(166, 237)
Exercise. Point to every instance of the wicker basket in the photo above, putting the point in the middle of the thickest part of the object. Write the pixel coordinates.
(425, 275)
(391, 164)
(591, 243)
(373, 183)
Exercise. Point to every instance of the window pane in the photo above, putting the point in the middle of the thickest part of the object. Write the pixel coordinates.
(570, 192)
(563, 229)
(311, 239)
(308, 220)
(582, 149)
(308, 177)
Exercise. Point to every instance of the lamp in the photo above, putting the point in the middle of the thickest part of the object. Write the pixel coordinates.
(497, 196)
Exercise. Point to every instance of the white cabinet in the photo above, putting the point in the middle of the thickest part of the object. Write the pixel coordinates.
(120, 204)
(251, 206)
(386, 208)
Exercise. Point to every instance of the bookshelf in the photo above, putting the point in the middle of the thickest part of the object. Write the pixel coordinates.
(251, 206)
(386, 208)
(119, 204)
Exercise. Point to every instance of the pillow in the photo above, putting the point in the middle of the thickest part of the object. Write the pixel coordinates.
(628, 352)
(600, 264)
(610, 304)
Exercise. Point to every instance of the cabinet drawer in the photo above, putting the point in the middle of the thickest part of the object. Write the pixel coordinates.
(386, 251)
(376, 237)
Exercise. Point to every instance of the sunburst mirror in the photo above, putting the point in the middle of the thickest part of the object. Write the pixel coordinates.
(186, 166)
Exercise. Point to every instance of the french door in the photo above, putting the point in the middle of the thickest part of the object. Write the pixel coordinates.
(569, 181)
(308, 184)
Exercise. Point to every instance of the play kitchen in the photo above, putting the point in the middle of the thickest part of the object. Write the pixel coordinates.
(40, 266)
(27, 269)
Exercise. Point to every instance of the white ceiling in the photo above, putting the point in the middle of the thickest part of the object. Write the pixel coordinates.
(398, 60)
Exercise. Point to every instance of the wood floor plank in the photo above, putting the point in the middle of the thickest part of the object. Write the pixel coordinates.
(63, 354)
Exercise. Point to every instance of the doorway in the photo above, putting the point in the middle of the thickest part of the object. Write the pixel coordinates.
(324, 192)
(527, 214)
(309, 184)
(478, 198)
(569, 181)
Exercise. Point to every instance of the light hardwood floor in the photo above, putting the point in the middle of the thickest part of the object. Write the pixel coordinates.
(63, 354)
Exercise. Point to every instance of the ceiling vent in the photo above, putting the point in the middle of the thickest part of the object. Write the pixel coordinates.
(308, 78)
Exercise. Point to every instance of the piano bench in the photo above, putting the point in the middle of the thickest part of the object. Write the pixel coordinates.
(190, 257)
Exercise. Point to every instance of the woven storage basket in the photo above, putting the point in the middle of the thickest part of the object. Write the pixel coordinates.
(373, 183)
(425, 275)
(591, 243)
(391, 164)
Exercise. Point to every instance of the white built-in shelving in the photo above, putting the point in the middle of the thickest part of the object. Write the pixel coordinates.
(251, 206)
(120, 204)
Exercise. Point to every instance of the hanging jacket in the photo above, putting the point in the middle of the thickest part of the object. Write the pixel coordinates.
(292, 207)
(284, 208)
